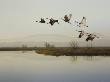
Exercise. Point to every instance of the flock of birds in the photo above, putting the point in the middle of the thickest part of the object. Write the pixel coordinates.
(67, 19)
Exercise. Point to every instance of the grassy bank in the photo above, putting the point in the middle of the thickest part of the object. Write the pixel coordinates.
(84, 51)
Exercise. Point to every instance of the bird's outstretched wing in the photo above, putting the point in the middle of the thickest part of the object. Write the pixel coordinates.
(70, 16)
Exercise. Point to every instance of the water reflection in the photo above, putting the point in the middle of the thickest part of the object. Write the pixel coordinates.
(86, 58)
(32, 67)
(90, 58)
(73, 58)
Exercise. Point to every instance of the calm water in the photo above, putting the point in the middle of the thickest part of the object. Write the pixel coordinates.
(31, 67)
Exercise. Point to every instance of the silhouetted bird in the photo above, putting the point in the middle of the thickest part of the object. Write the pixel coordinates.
(52, 21)
(67, 18)
(81, 34)
(91, 37)
(41, 21)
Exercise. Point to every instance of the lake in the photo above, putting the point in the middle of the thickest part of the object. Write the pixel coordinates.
(18, 66)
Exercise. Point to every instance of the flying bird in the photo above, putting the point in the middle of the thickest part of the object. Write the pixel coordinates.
(91, 37)
(41, 21)
(52, 21)
(81, 34)
(83, 22)
(67, 18)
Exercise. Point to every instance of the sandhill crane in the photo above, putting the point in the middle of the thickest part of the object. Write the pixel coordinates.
(83, 22)
(81, 34)
(91, 37)
(41, 21)
(67, 18)
(52, 21)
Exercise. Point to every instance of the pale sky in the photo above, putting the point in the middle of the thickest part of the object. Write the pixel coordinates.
(17, 17)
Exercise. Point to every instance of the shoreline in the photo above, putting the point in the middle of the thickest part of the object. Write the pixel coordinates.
(63, 51)
(84, 51)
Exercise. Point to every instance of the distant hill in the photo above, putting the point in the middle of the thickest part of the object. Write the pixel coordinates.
(37, 40)
(56, 39)
(41, 38)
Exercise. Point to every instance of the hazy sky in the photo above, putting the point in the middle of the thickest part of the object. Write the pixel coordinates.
(17, 17)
